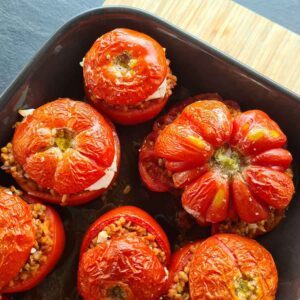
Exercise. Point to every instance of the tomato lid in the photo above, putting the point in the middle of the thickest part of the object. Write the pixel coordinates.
(124, 67)
(65, 145)
(17, 235)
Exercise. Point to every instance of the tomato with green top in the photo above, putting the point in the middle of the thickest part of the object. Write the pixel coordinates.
(230, 165)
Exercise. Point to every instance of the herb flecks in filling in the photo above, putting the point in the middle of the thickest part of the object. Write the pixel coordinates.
(64, 139)
(116, 293)
(228, 161)
(123, 227)
(246, 287)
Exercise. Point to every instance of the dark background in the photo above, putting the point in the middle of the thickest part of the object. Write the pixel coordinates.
(25, 25)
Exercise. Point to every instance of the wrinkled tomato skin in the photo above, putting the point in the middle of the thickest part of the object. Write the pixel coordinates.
(107, 84)
(124, 262)
(148, 72)
(222, 259)
(92, 151)
(17, 235)
(136, 216)
(275, 188)
(133, 116)
(58, 233)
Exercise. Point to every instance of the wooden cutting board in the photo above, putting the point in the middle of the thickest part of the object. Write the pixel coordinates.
(252, 39)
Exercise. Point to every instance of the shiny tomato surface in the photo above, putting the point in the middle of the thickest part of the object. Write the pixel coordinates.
(58, 237)
(124, 67)
(132, 214)
(227, 162)
(228, 266)
(121, 70)
(123, 266)
(17, 235)
(65, 146)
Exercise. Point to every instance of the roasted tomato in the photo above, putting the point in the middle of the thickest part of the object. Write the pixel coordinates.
(178, 286)
(228, 266)
(230, 165)
(63, 152)
(127, 76)
(31, 242)
(122, 252)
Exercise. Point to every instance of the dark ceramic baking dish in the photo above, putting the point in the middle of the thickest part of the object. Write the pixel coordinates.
(55, 72)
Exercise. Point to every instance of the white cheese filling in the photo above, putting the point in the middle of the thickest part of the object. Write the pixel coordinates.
(105, 180)
(26, 112)
(82, 63)
(160, 92)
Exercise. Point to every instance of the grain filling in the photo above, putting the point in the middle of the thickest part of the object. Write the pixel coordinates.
(42, 246)
(123, 227)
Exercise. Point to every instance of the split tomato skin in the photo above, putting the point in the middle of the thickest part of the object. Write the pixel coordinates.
(229, 164)
(227, 266)
(136, 216)
(65, 146)
(125, 264)
(17, 235)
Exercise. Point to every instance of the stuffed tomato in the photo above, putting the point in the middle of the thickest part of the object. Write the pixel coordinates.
(127, 76)
(232, 166)
(225, 266)
(31, 241)
(124, 255)
(63, 152)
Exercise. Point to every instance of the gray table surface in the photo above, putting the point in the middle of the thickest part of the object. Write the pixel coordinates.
(25, 25)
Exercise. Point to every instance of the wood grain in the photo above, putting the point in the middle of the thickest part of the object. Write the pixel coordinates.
(252, 39)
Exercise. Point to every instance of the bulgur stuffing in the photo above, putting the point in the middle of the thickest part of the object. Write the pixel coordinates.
(122, 227)
(246, 287)
(171, 82)
(43, 244)
(127, 189)
(252, 229)
(11, 166)
(180, 288)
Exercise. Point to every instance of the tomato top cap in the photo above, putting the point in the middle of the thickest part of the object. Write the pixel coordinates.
(65, 146)
(17, 235)
(124, 67)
